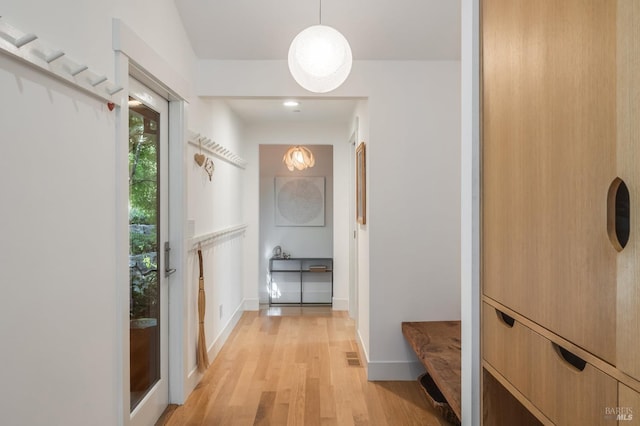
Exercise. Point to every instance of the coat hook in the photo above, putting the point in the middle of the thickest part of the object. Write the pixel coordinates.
(79, 70)
(54, 56)
(99, 80)
(25, 39)
(115, 90)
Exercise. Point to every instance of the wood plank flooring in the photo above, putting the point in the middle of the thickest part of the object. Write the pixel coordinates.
(298, 366)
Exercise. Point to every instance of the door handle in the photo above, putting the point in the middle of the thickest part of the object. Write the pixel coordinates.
(167, 270)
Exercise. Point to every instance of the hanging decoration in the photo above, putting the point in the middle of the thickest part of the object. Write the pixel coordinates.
(209, 167)
(298, 157)
(202, 159)
(199, 157)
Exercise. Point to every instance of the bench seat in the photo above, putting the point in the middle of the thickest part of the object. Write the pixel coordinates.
(437, 345)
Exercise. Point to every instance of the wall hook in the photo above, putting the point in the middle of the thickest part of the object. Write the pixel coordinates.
(99, 80)
(79, 70)
(25, 39)
(115, 90)
(54, 56)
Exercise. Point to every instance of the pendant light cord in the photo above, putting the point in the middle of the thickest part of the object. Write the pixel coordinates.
(320, 12)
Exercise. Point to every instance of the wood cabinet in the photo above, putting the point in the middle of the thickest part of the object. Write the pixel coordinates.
(565, 388)
(560, 126)
(549, 156)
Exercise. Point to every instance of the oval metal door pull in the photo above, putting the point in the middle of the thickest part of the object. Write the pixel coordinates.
(618, 214)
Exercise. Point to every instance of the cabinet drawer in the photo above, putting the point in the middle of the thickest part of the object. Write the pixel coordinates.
(628, 409)
(544, 373)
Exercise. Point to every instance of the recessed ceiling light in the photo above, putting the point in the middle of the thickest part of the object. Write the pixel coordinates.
(291, 103)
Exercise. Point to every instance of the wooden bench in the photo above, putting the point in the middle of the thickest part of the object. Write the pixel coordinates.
(437, 344)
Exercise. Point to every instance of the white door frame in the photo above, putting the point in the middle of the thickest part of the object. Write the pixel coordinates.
(353, 227)
(134, 57)
(157, 398)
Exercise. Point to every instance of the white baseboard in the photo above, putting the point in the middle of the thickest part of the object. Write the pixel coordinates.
(340, 304)
(390, 370)
(194, 376)
(251, 304)
(394, 370)
(215, 347)
(363, 350)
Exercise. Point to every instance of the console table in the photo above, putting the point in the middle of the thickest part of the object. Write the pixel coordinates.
(301, 281)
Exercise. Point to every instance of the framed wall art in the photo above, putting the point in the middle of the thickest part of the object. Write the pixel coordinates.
(361, 184)
(299, 201)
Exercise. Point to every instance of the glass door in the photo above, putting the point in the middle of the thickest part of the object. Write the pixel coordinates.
(148, 207)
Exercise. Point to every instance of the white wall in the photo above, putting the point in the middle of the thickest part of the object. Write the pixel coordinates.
(343, 197)
(414, 208)
(58, 311)
(362, 273)
(413, 226)
(214, 205)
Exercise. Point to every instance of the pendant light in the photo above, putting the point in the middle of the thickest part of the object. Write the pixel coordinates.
(320, 58)
(298, 157)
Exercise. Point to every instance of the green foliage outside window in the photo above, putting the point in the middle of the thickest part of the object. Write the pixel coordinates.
(143, 207)
(143, 173)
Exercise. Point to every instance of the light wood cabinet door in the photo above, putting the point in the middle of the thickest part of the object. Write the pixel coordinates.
(628, 409)
(628, 154)
(548, 159)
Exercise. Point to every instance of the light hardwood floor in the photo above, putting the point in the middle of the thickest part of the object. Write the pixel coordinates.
(298, 366)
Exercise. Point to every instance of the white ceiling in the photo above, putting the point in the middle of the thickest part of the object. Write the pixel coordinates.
(376, 29)
(264, 29)
(309, 110)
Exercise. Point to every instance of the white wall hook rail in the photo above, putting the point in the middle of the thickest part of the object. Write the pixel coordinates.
(28, 48)
(205, 239)
(216, 149)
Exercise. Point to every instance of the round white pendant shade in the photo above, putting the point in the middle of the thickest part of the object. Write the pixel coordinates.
(320, 59)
